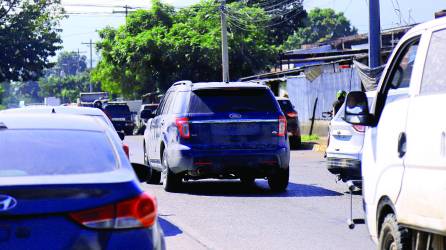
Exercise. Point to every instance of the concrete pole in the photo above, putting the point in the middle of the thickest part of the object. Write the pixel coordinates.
(374, 34)
(224, 42)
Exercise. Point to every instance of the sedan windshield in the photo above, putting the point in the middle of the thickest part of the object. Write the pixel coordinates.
(54, 152)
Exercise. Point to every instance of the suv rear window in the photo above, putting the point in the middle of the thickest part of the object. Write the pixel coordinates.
(54, 152)
(118, 109)
(286, 105)
(239, 100)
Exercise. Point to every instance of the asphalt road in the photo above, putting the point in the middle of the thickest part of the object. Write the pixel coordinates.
(217, 214)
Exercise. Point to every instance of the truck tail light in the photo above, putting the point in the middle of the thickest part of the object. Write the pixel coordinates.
(292, 114)
(139, 212)
(359, 128)
(183, 127)
(282, 126)
(126, 150)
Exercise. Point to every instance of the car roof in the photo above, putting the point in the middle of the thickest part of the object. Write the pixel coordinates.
(187, 85)
(58, 109)
(50, 121)
(428, 25)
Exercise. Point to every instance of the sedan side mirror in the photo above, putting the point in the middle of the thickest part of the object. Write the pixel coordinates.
(142, 171)
(357, 109)
(147, 114)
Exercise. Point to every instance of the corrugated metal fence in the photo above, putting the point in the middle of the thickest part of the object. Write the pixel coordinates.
(303, 92)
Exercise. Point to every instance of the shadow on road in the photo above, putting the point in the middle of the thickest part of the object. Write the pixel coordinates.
(261, 189)
(169, 228)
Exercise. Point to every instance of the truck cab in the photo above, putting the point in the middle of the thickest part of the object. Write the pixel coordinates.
(404, 153)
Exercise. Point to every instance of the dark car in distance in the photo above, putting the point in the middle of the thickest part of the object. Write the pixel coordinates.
(292, 119)
(121, 117)
(217, 130)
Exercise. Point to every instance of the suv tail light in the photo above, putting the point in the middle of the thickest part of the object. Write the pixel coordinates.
(139, 212)
(359, 128)
(292, 114)
(183, 127)
(126, 150)
(282, 126)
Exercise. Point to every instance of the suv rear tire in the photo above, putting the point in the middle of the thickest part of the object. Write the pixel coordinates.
(393, 235)
(171, 181)
(278, 182)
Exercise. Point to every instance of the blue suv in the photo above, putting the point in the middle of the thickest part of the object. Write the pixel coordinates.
(217, 130)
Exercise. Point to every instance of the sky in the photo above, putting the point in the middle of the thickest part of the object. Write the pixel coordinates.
(80, 28)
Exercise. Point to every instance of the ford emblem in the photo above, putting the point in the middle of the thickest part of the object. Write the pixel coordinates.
(235, 116)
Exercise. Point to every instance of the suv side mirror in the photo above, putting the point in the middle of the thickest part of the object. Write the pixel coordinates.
(357, 109)
(147, 114)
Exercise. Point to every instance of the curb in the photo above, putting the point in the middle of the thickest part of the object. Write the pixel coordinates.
(320, 148)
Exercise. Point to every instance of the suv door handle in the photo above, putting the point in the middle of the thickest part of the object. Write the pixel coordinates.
(402, 144)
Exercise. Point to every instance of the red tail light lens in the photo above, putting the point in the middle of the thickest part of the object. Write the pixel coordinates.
(183, 127)
(139, 212)
(359, 128)
(292, 114)
(126, 150)
(282, 126)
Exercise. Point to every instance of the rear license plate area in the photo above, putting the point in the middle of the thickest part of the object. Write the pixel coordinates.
(235, 129)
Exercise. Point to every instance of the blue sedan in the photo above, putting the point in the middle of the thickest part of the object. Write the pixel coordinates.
(66, 183)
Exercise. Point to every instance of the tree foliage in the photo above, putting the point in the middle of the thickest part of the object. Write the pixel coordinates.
(66, 88)
(28, 37)
(322, 25)
(161, 45)
(70, 63)
(285, 17)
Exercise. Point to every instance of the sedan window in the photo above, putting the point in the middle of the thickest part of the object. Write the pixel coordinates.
(55, 152)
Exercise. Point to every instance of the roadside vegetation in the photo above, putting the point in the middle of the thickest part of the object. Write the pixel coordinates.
(154, 48)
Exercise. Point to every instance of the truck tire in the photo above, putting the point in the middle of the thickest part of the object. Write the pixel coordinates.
(393, 236)
(171, 182)
(278, 182)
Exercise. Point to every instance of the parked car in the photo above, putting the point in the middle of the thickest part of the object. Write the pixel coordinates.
(344, 150)
(218, 130)
(142, 122)
(292, 119)
(121, 116)
(82, 194)
(404, 156)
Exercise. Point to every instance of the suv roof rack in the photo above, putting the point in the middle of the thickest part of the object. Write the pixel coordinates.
(185, 82)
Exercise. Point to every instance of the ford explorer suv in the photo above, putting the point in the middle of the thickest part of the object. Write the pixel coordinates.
(217, 130)
(404, 154)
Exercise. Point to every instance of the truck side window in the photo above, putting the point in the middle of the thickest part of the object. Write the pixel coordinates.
(403, 70)
(433, 77)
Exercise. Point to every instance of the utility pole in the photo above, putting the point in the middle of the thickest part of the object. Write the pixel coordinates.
(374, 34)
(224, 42)
(91, 59)
(127, 8)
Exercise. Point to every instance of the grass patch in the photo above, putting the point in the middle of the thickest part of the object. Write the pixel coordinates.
(309, 138)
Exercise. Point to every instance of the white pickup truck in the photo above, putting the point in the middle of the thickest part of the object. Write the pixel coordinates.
(404, 154)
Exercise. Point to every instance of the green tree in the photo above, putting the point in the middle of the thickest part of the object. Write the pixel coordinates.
(160, 46)
(322, 25)
(285, 17)
(29, 35)
(66, 88)
(71, 63)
